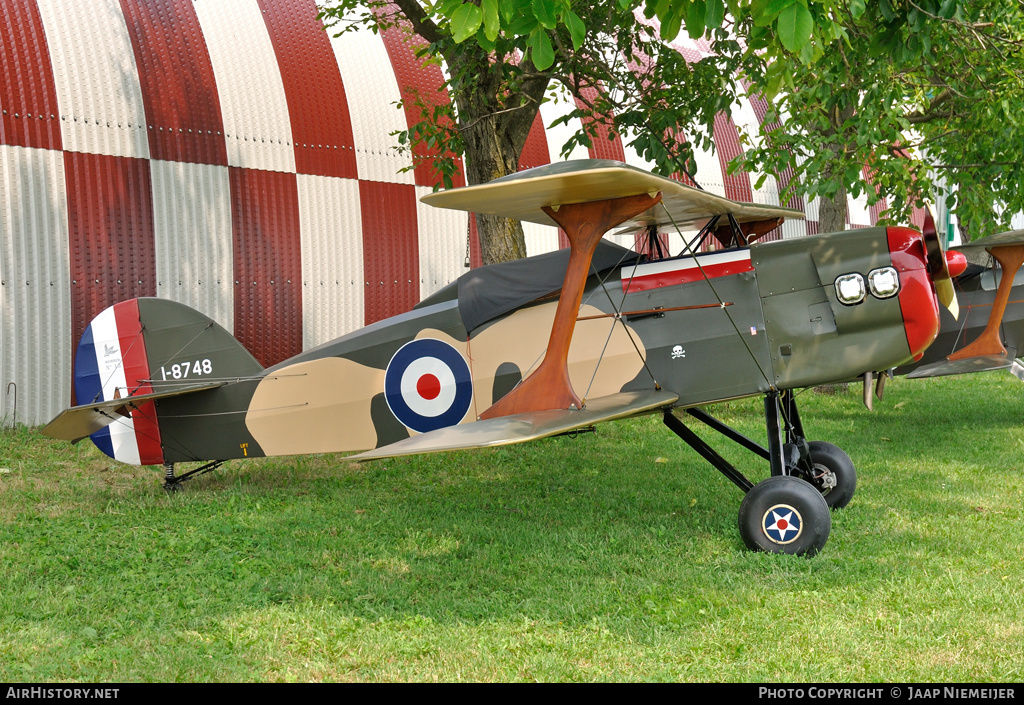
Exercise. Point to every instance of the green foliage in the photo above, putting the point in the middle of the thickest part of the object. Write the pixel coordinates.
(917, 94)
(503, 58)
(904, 95)
(795, 26)
(466, 21)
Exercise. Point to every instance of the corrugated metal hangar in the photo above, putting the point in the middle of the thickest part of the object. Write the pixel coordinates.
(233, 156)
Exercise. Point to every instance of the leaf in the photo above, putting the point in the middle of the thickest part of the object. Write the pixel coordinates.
(765, 11)
(486, 44)
(466, 21)
(888, 13)
(492, 22)
(542, 53)
(659, 8)
(695, 19)
(577, 29)
(448, 7)
(546, 13)
(715, 13)
(795, 27)
(807, 53)
(670, 26)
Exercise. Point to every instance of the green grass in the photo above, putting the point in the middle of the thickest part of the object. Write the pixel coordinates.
(612, 556)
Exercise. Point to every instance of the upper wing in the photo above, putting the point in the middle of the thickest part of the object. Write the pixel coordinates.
(519, 428)
(523, 195)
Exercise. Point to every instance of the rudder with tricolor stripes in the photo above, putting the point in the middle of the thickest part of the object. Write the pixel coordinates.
(148, 345)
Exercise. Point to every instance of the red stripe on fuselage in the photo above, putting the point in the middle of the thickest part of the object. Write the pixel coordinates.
(685, 271)
(136, 374)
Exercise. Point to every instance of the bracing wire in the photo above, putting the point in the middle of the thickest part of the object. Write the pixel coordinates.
(714, 291)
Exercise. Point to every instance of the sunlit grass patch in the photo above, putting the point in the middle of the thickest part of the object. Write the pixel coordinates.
(607, 556)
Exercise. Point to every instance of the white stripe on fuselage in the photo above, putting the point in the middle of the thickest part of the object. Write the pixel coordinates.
(679, 265)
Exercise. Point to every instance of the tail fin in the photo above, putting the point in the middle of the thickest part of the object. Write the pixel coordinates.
(151, 347)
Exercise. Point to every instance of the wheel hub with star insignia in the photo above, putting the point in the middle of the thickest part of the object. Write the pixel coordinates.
(782, 524)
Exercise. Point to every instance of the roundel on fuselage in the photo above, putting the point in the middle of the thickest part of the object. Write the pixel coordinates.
(428, 385)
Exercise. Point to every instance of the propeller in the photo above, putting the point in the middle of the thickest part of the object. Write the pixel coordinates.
(938, 267)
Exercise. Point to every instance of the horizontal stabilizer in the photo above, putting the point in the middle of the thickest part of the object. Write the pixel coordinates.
(519, 428)
(524, 195)
(978, 363)
(82, 421)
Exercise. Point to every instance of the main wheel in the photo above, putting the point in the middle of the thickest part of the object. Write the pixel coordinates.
(832, 473)
(784, 514)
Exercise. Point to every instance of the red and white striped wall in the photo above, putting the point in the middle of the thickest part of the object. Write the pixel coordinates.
(230, 155)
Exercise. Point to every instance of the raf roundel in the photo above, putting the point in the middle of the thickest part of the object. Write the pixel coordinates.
(782, 524)
(428, 385)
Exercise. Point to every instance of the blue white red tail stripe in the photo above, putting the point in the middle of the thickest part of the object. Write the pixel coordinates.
(111, 363)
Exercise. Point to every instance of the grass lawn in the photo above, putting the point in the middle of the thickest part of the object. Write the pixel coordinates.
(612, 556)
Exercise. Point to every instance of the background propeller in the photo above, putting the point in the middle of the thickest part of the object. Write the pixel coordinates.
(938, 267)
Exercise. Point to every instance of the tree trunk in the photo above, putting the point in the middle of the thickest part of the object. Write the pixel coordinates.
(494, 128)
(832, 212)
(489, 156)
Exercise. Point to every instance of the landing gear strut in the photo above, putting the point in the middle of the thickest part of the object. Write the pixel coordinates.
(788, 512)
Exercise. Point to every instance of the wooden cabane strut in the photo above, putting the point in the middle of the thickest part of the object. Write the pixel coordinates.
(1010, 258)
(584, 224)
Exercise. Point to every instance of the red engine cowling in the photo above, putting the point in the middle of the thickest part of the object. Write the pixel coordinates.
(918, 300)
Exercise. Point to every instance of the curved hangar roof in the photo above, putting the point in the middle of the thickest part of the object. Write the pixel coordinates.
(231, 155)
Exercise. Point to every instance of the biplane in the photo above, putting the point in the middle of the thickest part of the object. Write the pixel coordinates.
(548, 345)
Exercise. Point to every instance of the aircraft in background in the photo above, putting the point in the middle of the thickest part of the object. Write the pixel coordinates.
(989, 334)
(548, 345)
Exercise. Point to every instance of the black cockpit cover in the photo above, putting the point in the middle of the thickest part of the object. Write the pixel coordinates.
(488, 292)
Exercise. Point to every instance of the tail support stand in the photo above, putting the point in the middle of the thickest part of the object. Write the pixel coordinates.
(173, 483)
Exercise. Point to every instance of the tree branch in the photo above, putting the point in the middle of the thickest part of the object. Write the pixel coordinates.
(421, 24)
